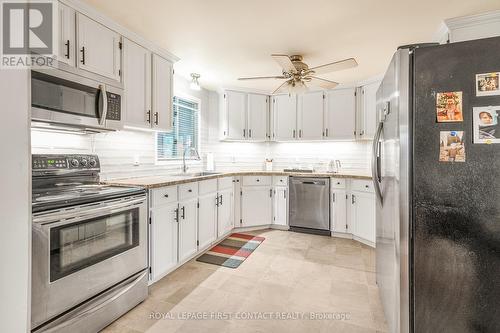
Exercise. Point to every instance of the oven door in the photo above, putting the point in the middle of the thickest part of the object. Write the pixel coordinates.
(62, 98)
(81, 251)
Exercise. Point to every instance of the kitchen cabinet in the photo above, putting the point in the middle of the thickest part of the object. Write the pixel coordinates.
(207, 219)
(67, 35)
(137, 84)
(340, 114)
(256, 205)
(164, 246)
(258, 114)
(162, 94)
(280, 212)
(366, 121)
(225, 212)
(234, 115)
(363, 216)
(338, 214)
(99, 48)
(310, 112)
(188, 228)
(284, 117)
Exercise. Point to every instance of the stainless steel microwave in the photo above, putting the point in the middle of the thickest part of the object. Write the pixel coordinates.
(67, 100)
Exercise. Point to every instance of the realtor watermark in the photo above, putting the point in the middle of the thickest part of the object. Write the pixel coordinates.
(249, 315)
(29, 34)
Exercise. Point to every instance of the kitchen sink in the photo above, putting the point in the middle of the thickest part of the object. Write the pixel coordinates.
(197, 174)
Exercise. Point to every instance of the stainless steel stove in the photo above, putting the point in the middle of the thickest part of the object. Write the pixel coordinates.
(89, 249)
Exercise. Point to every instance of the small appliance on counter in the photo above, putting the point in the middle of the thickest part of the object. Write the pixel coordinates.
(89, 246)
(269, 164)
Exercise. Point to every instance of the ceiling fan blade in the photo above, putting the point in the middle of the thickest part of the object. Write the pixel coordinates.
(261, 77)
(335, 66)
(284, 61)
(281, 87)
(323, 83)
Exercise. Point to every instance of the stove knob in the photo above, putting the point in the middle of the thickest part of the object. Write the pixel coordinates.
(84, 163)
(92, 163)
(74, 162)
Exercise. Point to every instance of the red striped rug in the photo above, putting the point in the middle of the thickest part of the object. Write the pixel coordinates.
(232, 251)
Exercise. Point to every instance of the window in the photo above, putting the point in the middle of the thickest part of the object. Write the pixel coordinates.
(185, 131)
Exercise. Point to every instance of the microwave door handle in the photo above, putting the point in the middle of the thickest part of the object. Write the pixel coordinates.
(103, 96)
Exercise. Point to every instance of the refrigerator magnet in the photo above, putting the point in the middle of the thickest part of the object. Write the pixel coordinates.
(485, 124)
(449, 107)
(451, 146)
(487, 84)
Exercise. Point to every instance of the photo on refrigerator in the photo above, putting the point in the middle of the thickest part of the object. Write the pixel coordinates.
(449, 107)
(485, 122)
(452, 146)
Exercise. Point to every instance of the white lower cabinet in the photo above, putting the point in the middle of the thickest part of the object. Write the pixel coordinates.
(164, 247)
(339, 221)
(363, 215)
(188, 228)
(225, 212)
(256, 205)
(280, 206)
(207, 220)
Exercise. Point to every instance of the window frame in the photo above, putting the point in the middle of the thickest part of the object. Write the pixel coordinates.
(191, 160)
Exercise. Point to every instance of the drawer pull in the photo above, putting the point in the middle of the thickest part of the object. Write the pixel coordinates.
(166, 195)
(190, 190)
(366, 186)
(258, 180)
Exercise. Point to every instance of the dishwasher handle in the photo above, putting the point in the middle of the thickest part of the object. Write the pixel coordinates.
(315, 182)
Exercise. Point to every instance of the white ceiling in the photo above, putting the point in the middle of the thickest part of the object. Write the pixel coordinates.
(225, 39)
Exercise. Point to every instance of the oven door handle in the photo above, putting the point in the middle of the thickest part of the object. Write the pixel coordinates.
(103, 112)
(61, 217)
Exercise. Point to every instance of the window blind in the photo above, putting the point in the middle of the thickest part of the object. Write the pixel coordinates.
(185, 130)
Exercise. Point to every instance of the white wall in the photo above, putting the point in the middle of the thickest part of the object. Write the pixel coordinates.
(119, 150)
(15, 202)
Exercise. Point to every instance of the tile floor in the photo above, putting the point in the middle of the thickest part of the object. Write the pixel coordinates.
(290, 273)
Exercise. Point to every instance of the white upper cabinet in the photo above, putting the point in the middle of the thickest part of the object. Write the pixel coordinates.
(67, 35)
(98, 48)
(161, 114)
(235, 115)
(340, 114)
(366, 111)
(310, 116)
(137, 84)
(258, 114)
(284, 117)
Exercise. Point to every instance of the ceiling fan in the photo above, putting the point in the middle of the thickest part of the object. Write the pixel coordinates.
(296, 73)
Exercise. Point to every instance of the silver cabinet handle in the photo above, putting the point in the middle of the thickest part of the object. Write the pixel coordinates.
(333, 197)
(149, 116)
(157, 117)
(250, 133)
(300, 133)
(67, 49)
(326, 132)
(244, 133)
(183, 212)
(294, 134)
(83, 55)
(353, 199)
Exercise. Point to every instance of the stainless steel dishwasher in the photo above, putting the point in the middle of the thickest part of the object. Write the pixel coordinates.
(310, 205)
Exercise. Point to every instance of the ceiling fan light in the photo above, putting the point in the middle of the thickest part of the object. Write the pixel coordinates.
(195, 84)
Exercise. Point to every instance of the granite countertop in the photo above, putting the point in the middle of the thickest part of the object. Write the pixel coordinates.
(167, 180)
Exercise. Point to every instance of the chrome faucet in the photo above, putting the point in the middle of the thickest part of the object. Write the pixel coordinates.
(338, 165)
(190, 149)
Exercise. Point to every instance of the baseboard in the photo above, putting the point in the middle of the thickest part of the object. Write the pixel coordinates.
(341, 235)
(252, 228)
(279, 227)
(364, 241)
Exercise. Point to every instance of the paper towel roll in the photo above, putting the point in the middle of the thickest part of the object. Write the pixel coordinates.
(210, 162)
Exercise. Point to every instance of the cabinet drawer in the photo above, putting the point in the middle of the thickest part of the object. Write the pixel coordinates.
(338, 183)
(280, 180)
(362, 185)
(188, 191)
(225, 182)
(164, 195)
(207, 186)
(256, 180)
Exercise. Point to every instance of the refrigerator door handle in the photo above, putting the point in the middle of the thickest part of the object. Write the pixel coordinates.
(376, 162)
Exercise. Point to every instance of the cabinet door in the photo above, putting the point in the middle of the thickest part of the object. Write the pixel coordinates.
(363, 215)
(137, 83)
(235, 111)
(207, 220)
(256, 205)
(162, 93)
(339, 211)
(188, 228)
(310, 112)
(225, 212)
(257, 117)
(284, 117)
(340, 116)
(67, 35)
(368, 116)
(163, 240)
(98, 48)
(280, 206)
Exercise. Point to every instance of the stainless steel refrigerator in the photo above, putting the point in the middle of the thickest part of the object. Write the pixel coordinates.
(438, 222)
